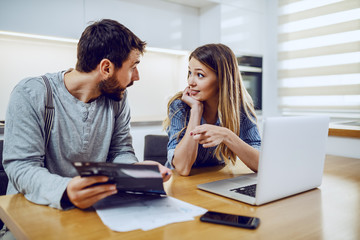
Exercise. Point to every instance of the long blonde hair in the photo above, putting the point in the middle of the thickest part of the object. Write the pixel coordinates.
(234, 100)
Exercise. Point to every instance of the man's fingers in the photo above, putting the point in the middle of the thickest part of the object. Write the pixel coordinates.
(81, 191)
(95, 190)
(164, 171)
(92, 199)
(83, 182)
(86, 197)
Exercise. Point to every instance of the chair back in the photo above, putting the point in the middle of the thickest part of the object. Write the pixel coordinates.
(155, 148)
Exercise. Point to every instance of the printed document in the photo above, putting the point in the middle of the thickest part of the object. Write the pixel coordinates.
(144, 213)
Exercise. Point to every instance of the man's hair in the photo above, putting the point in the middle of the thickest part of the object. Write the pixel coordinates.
(106, 39)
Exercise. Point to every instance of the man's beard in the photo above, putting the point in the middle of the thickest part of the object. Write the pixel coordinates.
(109, 88)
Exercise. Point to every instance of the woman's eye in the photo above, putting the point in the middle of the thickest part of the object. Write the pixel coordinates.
(200, 75)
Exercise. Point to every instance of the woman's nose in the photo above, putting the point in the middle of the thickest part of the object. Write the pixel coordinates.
(191, 81)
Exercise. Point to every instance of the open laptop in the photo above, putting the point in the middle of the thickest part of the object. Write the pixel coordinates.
(291, 161)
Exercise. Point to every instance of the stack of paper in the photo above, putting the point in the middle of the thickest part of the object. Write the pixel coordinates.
(144, 214)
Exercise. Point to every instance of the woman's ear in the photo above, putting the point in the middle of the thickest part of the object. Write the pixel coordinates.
(106, 68)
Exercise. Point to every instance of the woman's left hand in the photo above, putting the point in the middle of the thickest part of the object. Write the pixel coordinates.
(209, 135)
(165, 172)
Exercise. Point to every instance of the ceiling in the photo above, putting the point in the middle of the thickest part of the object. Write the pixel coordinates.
(194, 3)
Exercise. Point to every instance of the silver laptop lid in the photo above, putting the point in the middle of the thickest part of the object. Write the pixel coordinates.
(292, 156)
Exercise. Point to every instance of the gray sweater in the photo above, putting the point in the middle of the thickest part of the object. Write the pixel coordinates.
(96, 132)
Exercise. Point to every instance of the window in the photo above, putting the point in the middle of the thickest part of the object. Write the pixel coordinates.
(319, 57)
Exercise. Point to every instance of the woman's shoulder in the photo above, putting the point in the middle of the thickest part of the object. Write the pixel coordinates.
(178, 109)
(178, 104)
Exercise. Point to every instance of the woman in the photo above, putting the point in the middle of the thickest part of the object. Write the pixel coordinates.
(213, 119)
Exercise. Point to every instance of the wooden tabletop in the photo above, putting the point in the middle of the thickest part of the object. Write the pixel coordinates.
(347, 129)
(331, 211)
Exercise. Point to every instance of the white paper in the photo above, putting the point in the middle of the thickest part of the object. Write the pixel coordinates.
(144, 214)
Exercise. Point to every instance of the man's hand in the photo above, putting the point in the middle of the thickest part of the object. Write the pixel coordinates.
(165, 172)
(83, 195)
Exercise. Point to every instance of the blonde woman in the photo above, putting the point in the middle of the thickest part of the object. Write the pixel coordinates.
(213, 120)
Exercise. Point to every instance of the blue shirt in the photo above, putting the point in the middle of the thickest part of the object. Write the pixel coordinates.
(179, 113)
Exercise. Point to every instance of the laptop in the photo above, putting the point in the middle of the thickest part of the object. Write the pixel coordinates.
(291, 161)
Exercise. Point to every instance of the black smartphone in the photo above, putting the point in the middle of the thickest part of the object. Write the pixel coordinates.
(231, 219)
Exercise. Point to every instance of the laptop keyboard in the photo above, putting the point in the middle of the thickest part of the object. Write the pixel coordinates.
(247, 190)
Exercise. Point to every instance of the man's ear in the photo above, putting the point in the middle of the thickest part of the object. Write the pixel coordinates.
(106, 68)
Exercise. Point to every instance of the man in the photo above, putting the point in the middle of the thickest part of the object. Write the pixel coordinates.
(91, 121)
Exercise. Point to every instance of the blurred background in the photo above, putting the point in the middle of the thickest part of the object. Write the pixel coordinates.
(297, 57)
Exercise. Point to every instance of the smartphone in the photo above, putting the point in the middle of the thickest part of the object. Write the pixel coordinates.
(231, 220)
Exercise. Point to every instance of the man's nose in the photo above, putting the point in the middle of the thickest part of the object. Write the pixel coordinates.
(136, 75)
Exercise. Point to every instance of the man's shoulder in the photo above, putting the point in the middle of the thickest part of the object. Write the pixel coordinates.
(34, 85)
(31, 82)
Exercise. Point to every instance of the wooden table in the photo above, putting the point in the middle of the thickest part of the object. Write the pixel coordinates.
(345, 129)
(329, 212)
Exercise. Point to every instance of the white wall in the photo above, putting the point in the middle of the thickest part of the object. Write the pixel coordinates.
(239, 24)
(63, 18)
(25, 57)
(179, 24)
(270, 83)
(162, 72)
(242, 26)
(210, 24)
(161, 76)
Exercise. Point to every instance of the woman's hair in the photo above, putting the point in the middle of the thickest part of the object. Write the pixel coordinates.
(106, 39)
(234, 100)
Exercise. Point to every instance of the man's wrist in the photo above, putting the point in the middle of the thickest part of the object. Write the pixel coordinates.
(65, 202)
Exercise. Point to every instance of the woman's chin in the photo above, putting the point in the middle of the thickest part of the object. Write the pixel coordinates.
(196, 98)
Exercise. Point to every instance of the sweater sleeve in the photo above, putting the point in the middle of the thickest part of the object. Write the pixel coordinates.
(24, 147)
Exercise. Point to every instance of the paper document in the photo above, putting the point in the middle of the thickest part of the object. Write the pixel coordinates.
(144, 213)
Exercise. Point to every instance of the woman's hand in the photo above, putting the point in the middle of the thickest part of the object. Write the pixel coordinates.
(189, 100)
(209, 135)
